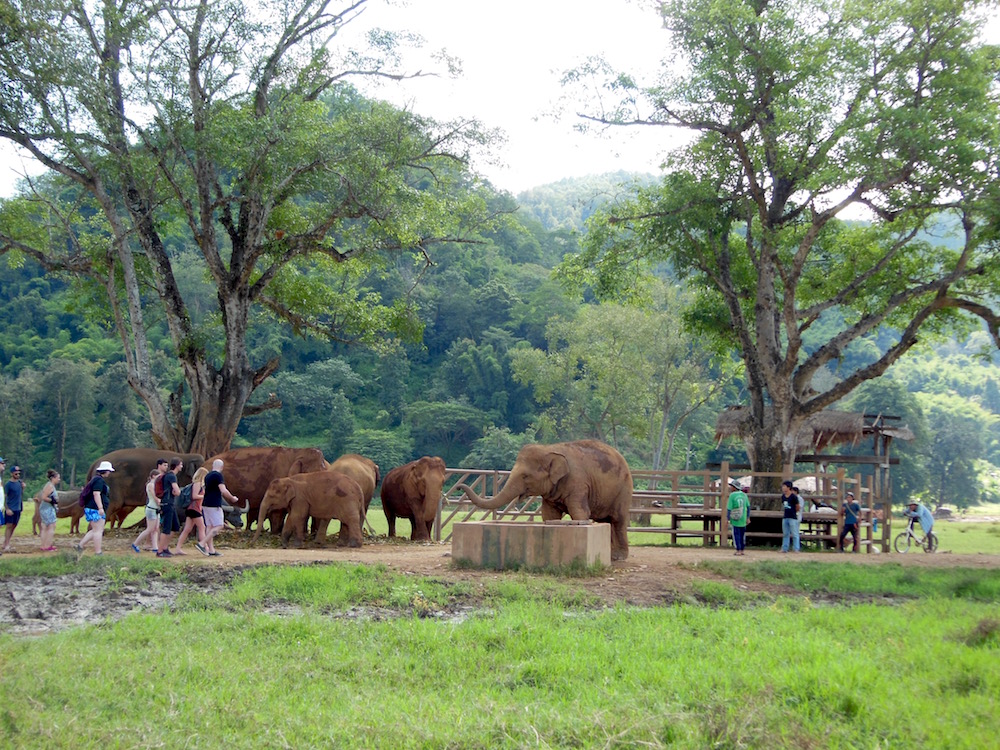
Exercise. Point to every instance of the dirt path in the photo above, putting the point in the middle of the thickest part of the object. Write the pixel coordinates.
(651, 576)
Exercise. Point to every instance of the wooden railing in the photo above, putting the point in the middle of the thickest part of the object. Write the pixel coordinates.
(682, 504)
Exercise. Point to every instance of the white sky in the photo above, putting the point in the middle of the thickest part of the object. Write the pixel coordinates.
(513, 54)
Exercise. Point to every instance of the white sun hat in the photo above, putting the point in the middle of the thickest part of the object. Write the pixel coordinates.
(104, 466)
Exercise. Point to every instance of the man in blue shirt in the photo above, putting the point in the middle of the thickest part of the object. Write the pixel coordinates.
(852, 514)
(13, 492)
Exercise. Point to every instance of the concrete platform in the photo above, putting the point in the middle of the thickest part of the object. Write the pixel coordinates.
(553, 544)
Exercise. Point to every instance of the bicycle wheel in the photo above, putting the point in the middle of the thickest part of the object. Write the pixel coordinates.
(931, 542)
(902, 542)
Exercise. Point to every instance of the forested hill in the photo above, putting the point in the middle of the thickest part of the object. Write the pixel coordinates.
(505, 358)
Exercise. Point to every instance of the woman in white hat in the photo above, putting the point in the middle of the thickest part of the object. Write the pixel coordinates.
(96, 492)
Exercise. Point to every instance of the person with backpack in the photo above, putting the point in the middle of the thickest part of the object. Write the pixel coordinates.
(189, 503)
(152, 530)
(95, 503)
(169, 522)
(738, 513)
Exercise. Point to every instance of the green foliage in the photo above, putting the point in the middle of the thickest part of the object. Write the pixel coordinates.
(497, 449)
(787, 135)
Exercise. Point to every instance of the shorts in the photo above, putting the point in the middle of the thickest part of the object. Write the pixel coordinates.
(152, 515)
(93, 514)
(47, 513)
(192, 513)
(168, 520)
(213, 516)
(12, 518)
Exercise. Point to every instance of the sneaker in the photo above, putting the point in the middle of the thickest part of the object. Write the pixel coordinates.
(135, 548)
(201, 549)
(215, 554)
(78, 547)
(165, 553)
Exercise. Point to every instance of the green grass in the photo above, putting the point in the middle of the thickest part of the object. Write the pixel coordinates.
(886, 580)
(536, 666)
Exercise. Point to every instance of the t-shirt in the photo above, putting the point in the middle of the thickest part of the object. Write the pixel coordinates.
(738, 500)
(790, 505)
(213, 495)
(169, 480)
(851, 512)
(13, 491)
(98, 485)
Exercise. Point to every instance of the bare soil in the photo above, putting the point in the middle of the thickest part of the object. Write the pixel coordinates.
(651, 576)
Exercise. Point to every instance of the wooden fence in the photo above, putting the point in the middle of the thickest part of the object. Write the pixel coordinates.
(688, 504)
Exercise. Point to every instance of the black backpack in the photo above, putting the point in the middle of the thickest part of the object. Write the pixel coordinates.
(87, 492)
(184, 499)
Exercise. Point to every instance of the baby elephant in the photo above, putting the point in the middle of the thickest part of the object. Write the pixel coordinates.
(320, 495)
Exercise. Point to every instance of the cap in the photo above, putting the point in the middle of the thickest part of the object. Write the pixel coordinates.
(14, 468)
(104, 466)
(849, 494)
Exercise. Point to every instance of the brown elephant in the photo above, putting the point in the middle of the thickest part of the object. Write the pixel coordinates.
(249, 472)
(413, 491)
(584, 478)
(322, 496)
(127, 484)
(362, 470)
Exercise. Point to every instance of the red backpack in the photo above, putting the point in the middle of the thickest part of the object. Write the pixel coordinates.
(87, 492)
(158, 486)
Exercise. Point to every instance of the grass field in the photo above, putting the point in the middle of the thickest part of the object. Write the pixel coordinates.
(866, 657)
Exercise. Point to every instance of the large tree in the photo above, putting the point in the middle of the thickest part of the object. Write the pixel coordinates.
(227, 128)
(802, 114)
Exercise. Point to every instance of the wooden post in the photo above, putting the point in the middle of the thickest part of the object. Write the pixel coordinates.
(724, 501)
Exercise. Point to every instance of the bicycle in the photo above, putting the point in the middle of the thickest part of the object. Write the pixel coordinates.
(908, 538)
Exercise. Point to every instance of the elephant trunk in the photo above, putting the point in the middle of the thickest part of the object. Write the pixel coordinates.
(507, 495)
(261, 515)
(245, 509)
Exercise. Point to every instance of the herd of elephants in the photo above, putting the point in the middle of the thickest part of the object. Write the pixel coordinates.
(289, 486)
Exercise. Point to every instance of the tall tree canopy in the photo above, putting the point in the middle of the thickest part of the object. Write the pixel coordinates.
(802, 112)
(227, 128)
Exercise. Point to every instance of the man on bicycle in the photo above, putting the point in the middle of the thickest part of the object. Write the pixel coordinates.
(922, 514)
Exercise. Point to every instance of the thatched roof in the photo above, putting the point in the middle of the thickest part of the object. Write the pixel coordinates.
(820, 430)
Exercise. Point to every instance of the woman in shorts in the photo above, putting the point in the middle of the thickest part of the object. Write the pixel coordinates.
(152, 530)
(192, 515)
(48, 502)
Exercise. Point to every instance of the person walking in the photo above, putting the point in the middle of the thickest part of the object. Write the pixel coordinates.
(790, 503)
(48, 502)
(852, 514)
(13, 505)
(169, 522)
(738, 513)
(193, 517)
(95, 507)
(152, 510)
(215, 492)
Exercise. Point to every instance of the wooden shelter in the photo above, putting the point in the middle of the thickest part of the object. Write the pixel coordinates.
(831, 428)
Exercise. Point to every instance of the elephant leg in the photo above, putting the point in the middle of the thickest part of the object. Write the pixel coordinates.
(321, 526)
(390, 518)
(550, 512)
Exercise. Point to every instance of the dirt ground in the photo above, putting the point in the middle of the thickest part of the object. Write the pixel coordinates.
(651, 576)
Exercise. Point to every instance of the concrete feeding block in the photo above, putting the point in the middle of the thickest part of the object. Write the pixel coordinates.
(552, 544)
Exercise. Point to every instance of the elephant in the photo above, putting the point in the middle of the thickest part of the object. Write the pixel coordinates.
(322, 496)
(362, 470)
(249, 472)
(584, 478)
(413, 491)
(127, 483)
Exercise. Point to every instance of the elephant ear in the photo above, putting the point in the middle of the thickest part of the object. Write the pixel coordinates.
(558, 467)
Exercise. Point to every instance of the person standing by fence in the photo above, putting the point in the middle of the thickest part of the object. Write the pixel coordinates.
(738, 513)
(852, 514)
(790, 503)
